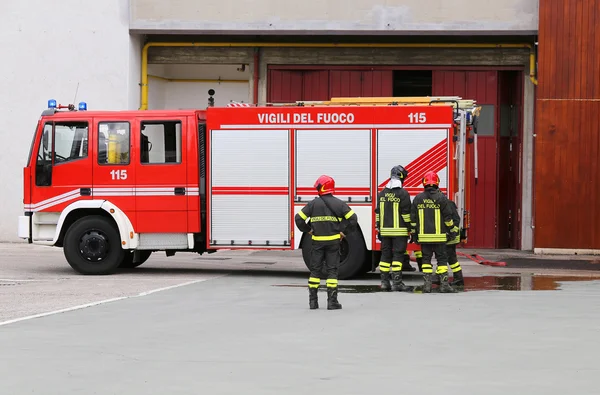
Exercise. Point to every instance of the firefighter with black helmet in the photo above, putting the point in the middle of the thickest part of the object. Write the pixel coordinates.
(431, 219)
(392, 221)
(328, 215)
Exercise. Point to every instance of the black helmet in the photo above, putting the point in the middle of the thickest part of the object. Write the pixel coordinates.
(398, 173)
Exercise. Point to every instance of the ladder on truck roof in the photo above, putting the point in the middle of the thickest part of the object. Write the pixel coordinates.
(466, 114)
(458, 102)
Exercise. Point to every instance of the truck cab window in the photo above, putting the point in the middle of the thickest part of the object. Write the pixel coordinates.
(113, 143)
(160, 142)
(70, 141)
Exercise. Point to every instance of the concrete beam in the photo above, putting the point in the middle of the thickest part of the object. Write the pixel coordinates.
(335, 16)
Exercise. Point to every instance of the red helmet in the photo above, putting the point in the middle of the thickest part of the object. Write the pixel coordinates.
(325, 185)
(431, 178)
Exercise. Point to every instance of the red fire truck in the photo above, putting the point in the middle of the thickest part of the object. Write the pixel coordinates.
(111, 187)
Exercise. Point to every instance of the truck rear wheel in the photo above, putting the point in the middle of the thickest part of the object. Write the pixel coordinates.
(92, 245)
(127, 262)
(352, 255)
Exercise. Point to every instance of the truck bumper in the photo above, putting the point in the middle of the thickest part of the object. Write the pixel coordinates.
(24, 227)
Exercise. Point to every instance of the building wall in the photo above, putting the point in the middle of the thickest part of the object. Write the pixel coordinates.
(183, 86)
(52, 49)
(335, 16)
(567, 146)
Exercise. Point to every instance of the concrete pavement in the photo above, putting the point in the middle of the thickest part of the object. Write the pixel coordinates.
(238, 331)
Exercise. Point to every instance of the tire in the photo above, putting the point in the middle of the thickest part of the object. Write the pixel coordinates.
(92, 245)
(353, 254)
(127, 262)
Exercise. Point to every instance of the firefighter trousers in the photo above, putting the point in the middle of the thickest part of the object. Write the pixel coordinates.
(392, 253)
(453, 258)
(329, 253)
(439, 249)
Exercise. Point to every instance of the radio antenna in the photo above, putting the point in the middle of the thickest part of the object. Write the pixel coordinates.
(76, 90)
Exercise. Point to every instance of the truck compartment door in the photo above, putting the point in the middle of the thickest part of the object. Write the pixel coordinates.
(344, 154)
(419, 151)
(249, 188)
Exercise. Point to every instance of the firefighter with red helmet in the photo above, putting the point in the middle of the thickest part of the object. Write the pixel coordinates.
(392, 222)
(431, 220)
(330, 220)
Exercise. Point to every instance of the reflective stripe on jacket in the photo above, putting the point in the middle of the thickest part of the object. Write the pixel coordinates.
(456, 223)
(431, 216)
(325, 224)
(392, 212)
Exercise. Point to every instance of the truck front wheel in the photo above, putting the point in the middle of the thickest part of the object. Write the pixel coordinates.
(92, 245)
(352, 255)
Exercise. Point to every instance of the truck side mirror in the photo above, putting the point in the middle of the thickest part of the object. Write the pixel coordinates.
(45, 141)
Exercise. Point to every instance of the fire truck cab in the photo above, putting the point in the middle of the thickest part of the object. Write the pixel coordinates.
(111, 187)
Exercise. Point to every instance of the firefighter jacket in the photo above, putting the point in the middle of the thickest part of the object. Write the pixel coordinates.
(456, 222)
(431, 216)
(392, 213)
(328, 217)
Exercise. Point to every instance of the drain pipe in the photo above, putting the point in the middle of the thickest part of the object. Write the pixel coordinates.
(144, 82)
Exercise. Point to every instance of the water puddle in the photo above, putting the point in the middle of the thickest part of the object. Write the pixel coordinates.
(482, 283)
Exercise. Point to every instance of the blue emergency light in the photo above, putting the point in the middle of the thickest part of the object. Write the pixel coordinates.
(82, 106)
(51, 103)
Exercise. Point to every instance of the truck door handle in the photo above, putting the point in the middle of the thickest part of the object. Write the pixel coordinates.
(85, 191)
(179, 191)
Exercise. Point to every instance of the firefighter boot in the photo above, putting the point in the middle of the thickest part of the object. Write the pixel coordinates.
(444, 286)
(385, 281)
(427, 283)
(458, 279)
(397, 284)
(332, 302)
(313, 298)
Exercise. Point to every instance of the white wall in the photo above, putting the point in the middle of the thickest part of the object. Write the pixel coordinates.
(48, 48)
(163, 94)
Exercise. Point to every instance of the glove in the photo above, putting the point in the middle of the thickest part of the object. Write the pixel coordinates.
(378, 235)
(452, 233)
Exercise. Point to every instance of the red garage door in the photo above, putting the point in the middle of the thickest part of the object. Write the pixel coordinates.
(481, 86)
(293, 85)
